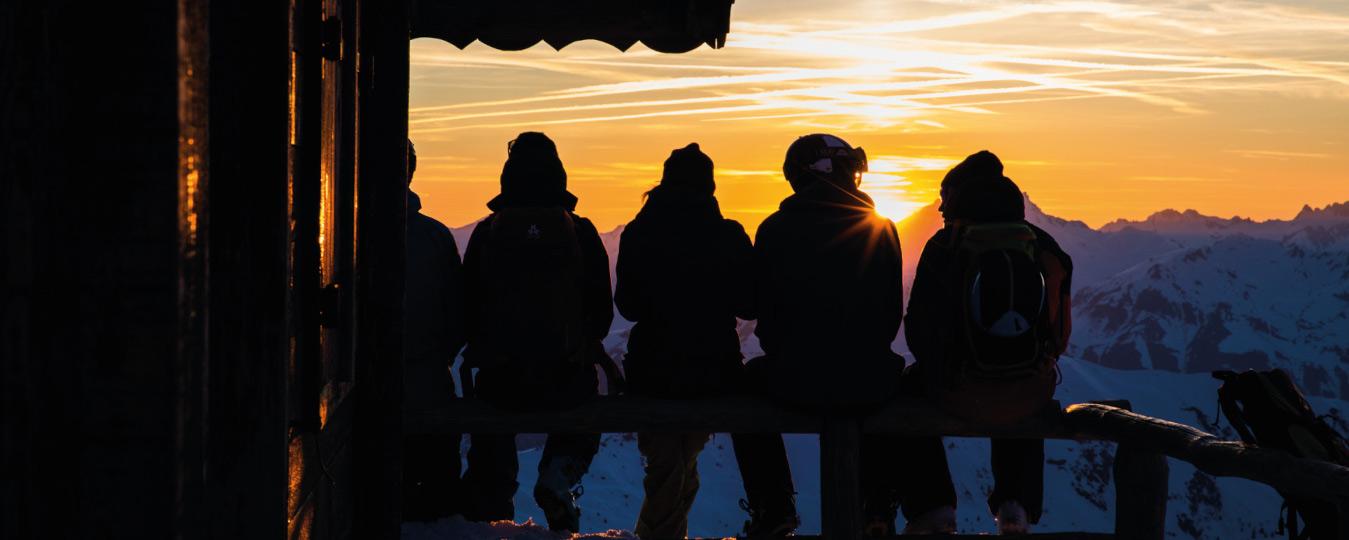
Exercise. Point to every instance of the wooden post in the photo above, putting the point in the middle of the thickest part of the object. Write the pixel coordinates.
(381, 222)
(840, 479)
(1342, 528)
(1140, 493)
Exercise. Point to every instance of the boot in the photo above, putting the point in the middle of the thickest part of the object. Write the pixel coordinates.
(559, 507)
(939, 521)
(777, 522)
(1012, 519)
(880, 515)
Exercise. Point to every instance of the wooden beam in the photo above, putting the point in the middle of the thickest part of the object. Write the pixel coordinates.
(919, 418)
(619, 415)
(1280, 470)
(1342, 528)
(738, 414)
(840, 478)
(1039, 536)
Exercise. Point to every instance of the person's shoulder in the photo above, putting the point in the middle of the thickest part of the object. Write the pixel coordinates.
(482, 228)
(881, 222)
(429, 223)
(774, 221)
(1044, 237)
(942, 235)
(583, 225)
(732, 227)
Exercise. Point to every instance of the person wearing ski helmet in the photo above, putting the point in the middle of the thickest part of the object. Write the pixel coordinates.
(830, 300)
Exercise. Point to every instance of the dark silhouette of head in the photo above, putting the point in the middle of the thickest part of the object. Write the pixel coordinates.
(532, 166)
(819, 156)
(412, 160)
(688, 171)
(977, 190)
(533, 174)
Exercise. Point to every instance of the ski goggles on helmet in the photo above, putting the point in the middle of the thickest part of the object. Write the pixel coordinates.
(826, 157)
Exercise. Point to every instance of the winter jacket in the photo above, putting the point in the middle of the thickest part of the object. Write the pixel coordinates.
(829, 295)
(433, 309)
(433, 321)
(684, 275)
(571, 379)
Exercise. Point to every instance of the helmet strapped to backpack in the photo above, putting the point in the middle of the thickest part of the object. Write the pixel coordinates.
(1001, 361)
(1003, 293)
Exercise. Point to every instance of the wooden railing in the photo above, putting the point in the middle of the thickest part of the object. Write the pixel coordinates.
(1140, 468)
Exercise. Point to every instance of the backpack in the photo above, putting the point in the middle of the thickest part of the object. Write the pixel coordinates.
(1267, 409)
(1011, 322)
(533, 273)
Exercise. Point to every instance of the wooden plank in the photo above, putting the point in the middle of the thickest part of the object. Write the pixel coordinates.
(1036, 536)
(1140, 492)
(1212, 455)
(920, 418)
(840, 478)
(619, 415)
(737, 414)
(1342, 528)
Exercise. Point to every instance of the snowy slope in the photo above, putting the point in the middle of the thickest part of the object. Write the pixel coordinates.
(1238, 302)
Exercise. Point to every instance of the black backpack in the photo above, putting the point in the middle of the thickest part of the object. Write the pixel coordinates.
(1268, 410)
(533, 272)
(1012, 321)
(1005, 323)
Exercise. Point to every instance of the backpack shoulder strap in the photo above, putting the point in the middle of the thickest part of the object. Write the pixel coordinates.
(1227, 400)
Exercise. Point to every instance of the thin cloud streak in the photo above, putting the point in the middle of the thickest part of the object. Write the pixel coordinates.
(894, 57)
(1112, 90)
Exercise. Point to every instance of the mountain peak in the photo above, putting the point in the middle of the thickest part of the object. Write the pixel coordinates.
(1331, 211)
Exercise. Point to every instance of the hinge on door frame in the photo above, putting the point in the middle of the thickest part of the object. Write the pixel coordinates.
(330, 37)
(330, 306)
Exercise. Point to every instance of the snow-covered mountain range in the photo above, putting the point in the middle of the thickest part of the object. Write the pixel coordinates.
(1158, 303)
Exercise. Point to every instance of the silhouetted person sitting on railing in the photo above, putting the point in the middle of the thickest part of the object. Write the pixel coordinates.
(989, 315)
(684, 274)
(830, 300)
(433, 334)
(537, 287)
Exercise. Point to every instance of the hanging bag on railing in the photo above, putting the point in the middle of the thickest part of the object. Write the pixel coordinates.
(1268, 410)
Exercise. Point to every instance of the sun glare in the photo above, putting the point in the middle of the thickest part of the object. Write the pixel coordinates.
(894, 206)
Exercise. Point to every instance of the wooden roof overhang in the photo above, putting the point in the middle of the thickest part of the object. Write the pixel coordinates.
(668, 26)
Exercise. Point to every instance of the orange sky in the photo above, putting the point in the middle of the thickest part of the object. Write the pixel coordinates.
(1101, 110)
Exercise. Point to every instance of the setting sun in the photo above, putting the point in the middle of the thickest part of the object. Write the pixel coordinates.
(895, 209)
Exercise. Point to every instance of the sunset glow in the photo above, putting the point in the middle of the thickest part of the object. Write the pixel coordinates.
(1100, 109)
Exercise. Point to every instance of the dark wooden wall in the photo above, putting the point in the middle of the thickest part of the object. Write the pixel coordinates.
(381, 188)
(143, 373)
(249, 58)
(88, 156)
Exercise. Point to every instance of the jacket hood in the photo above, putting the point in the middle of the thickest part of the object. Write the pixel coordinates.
(828, 194)
(533, 175)
(564, 200)
(673, 202)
